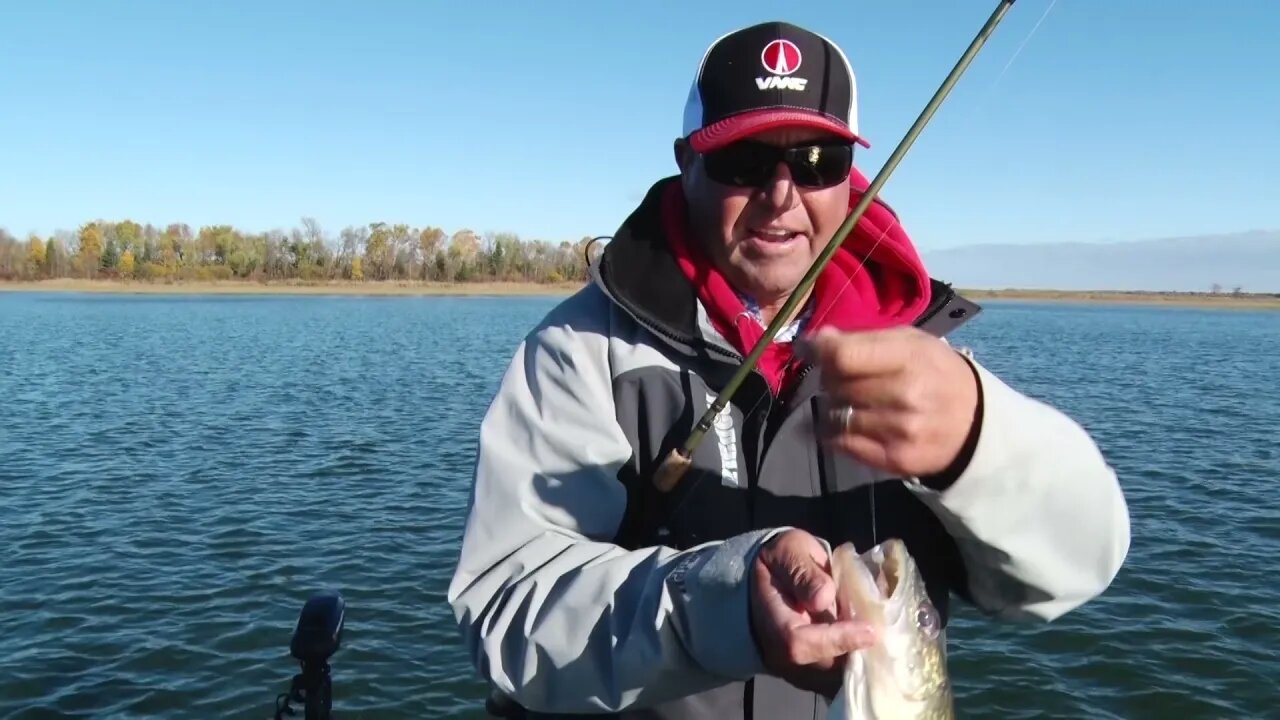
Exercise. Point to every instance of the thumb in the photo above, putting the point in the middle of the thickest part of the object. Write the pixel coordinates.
(825, 642)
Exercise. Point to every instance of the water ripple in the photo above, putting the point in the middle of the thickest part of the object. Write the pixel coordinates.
(181, 473)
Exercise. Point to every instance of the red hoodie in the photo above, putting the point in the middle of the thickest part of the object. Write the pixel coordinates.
(892, 289)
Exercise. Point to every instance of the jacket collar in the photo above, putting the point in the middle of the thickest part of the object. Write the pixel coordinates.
(639, 272)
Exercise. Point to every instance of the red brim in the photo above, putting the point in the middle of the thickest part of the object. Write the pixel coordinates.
(732, 129)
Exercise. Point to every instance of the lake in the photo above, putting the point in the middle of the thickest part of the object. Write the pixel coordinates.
(179, 473)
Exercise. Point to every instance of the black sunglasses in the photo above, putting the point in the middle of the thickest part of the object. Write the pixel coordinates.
(750, 163)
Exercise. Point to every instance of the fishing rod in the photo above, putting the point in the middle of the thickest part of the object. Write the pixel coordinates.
(679, 459)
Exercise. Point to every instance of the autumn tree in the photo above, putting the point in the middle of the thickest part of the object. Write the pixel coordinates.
(128, 236)
(460, 260)
(430, 240)
(35, 255)
(377, 251)
(371, 251)
(126, 264)
(91, 246)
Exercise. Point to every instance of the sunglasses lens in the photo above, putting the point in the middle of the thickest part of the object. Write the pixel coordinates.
(820, 165)
(752, 164)
(743, 164)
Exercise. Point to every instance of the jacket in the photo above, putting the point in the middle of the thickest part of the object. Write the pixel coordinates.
(581, 589)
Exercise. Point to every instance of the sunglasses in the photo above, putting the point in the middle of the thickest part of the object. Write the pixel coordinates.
(749, 163)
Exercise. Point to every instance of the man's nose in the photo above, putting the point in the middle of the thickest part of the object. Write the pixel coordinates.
(780, 190)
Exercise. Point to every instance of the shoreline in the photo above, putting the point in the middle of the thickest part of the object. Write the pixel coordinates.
(403, 288)
(1200, 300)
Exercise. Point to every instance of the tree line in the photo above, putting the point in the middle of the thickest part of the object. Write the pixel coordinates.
(377, 251)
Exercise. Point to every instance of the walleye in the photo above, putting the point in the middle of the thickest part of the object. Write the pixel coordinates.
(904, 675)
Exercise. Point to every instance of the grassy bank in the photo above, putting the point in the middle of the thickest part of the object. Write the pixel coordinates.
(339, 287)
(400, 287)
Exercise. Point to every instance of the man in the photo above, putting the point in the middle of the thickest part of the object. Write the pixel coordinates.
(583, 588)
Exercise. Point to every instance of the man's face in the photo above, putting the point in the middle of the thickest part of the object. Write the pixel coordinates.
(764, 239)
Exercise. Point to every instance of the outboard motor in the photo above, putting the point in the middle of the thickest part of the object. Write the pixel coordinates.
(316, 638)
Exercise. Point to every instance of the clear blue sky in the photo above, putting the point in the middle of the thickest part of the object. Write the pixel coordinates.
(1118, 120)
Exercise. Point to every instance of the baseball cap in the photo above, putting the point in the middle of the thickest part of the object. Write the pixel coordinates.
(770, 75)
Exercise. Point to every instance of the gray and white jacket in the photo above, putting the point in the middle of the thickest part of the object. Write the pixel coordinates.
(580, 589)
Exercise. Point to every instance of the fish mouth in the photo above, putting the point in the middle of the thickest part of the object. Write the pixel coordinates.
(905, 668)
(867, 582)
(886, 563)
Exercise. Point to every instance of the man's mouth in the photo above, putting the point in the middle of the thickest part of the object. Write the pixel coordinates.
(773, 235)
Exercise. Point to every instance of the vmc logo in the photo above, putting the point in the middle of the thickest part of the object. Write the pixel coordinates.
(781, 58)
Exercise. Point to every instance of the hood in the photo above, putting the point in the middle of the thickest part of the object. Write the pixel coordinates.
(875, 280)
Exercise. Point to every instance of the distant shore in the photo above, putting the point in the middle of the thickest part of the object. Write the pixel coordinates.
(289, 287)
(409, 288)
(1256, 301)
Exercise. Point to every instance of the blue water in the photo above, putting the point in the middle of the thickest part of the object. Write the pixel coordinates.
(178, 474)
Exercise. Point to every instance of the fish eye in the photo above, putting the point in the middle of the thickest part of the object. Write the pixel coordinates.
(927, 620)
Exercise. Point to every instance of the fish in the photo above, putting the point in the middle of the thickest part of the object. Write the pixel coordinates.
(903, 676)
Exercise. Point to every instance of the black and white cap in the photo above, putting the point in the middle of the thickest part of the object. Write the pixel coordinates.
(766, 76)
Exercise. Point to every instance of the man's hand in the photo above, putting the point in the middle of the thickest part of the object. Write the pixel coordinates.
(793, 614)
(913, 397)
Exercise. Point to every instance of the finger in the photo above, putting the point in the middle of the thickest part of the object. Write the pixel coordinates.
(862, 446)
(782, 610)
(874, 424)
(805, 582)
(861, 353)
(877, 453)
(823, 643)
(800, 566)
(869, 391)
(778, 583)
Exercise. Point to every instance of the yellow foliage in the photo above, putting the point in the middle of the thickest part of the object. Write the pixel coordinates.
(35, 251)
(208, 273)
(154, 271)
(128, 232)
(385, 252)
(91, 242)
(429, 241)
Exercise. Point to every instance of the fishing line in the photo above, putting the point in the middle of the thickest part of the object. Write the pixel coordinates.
(1025, 40)
(814, 323)
(866, 258)
(680, 459)
(875, 537)
(863, 261)
(985, 101)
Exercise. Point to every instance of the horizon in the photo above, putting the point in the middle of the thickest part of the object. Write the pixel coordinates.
(257, 116)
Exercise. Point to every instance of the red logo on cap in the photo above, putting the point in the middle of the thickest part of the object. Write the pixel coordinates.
(781, 57)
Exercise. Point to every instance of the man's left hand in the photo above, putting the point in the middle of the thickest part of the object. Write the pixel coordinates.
(913, 397)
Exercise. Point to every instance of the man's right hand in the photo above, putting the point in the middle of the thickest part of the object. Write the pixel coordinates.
(794, 615)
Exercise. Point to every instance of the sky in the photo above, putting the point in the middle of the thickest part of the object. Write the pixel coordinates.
(1100, 121)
